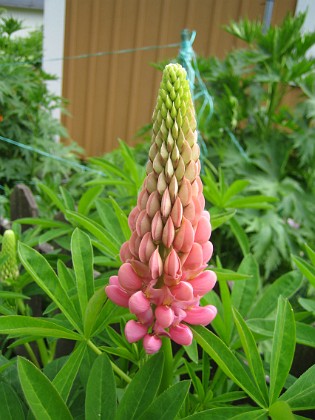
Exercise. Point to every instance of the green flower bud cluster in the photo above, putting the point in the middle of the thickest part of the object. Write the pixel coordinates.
(9, 270)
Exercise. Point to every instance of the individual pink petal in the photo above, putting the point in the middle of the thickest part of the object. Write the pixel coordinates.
(181, 334)
(206, 214)
(200, 315)
(166, 204)
(128, 279)
(125, 253)
(195, 258)
(168, 233)
(141, 269)
(153, 204)
(164, 316)
(146, 248)
(117, 295)
(146, 317)
(185, 192)
(134, 331)
(151, 344)
(203, 283)
(133, 218)
(189, 211)
(172, 269)
(195, 189)
(134, 243)
(143, 199)
(177, 213)
(157, 227)
(203, 230)
(184, 237)
(183, 291)
(138, 303)
(143, 224)
(113, 280)
(156, 264)
(202, 201)
(207, 251)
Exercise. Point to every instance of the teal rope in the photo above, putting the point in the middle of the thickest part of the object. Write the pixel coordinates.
(49, 155)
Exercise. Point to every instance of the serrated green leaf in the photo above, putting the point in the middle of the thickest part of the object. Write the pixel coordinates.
(41, 395)
(167, 405)
(142, 390)
(283, 347)
(100, 401)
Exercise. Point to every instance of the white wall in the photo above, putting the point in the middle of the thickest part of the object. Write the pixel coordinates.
(54, 30)
(309, 24)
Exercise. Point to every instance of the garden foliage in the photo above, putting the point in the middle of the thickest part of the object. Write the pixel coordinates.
(256, 361)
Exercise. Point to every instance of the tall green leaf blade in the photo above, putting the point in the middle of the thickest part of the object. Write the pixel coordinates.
(252, 354)
(64, 379)
(53, 196)
(235, 188)
(283, 347)
(285, 286)
(18, 325)
(41, 395)
(244, 292)
(226, 360)
(108, 242)
(38, 267)
(100, 401)
(221, 413)
(167, 405)
(301, 395)
(122, 219)
(240, 235)
(306, 269)
(11, 407)
(88, 198)
(142, 390)
(82, 257)
(93, 310)
(311, 254)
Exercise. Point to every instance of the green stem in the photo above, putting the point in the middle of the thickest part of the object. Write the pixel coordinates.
(116, 369)
(167, 376)
(42, 351)
(31, 354)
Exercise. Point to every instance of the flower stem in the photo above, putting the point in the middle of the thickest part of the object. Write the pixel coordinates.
(116, 369)
(167, 375)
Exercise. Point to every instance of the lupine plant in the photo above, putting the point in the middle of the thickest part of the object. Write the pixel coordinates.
(163, 274)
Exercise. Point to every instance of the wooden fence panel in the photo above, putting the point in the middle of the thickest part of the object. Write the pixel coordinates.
(112, 96)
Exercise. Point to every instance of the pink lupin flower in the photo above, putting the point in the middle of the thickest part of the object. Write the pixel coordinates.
(163, 275)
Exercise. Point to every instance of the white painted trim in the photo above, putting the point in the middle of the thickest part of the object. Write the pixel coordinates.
(54, 35)
(309, 24)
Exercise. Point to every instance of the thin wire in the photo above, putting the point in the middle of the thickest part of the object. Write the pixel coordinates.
(49, 155)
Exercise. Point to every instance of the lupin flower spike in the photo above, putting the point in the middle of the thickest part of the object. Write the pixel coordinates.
(9, 270)
(163, 274)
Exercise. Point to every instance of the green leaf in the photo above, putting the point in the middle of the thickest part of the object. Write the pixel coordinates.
(12, 295)
(88, 198)
(306, 269)
(19, 325)
(42, 397)
(100, 402)
(218, 218)
(301, 395)
(53, 197)
(311, 254)
(235, 188)
(285, 286)
(45, 223)
(252, 354)
(281, 410)
(167, 405)
(252, 202)
(11, 407)
(142, 390)
(93, 310)
(307, 304)
(105, 238)
(122, 219)
(67, 198)
(244, 292)
(223, 274)
(67, 281)
(240, 235)
(192, 351)
(82, 257)
(226, 360)
(64, 379)
(221, 413)
(283, 347)
(38, 267)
